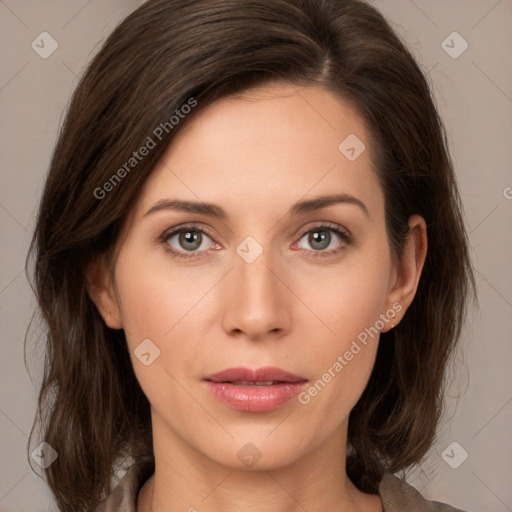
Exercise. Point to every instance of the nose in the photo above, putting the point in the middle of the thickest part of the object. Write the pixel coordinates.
(256, 301)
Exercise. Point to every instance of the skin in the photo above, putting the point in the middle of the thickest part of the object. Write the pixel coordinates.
(255, 155)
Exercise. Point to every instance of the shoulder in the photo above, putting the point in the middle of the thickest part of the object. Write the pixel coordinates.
(124, 496)
(399, 496)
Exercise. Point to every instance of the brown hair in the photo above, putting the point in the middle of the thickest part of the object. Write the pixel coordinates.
(91, 408)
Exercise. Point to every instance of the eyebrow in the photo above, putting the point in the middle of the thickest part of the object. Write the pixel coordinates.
(213, 210)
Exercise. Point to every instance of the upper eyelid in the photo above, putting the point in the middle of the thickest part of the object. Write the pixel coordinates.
(326, 225)
(168, 233)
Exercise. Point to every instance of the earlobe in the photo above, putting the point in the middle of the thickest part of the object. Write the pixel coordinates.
(100, 289)
(409, 267)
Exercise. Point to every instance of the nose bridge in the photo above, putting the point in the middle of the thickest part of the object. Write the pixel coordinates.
(255, 282)
(256, 302)
(256, 277)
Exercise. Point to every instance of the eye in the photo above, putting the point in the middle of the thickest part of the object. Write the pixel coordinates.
(325, 239)
(191, 239)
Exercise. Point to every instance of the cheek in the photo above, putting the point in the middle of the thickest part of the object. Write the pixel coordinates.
(163, 315)
(154, 317)
(348, 298)
(156, 296)
(348, 304)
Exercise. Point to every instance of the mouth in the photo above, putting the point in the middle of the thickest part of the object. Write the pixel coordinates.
(260, 390)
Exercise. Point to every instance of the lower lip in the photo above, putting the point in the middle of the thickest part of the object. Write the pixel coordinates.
(254, 398)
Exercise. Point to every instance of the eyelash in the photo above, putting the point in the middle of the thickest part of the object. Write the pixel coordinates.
(342, 233)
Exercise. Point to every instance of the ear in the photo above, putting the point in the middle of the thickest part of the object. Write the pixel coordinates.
(407, 270)
(99, 286)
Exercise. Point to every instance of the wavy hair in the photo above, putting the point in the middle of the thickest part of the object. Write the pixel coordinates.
(91, 409)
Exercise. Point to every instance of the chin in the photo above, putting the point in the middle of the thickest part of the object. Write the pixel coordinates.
(257, 452)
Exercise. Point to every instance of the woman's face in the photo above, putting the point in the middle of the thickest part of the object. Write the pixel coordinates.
(286, 273)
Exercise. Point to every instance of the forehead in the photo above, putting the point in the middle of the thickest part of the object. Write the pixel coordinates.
(269, 145)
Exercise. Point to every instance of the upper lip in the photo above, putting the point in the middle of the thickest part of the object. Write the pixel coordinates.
(263, 374)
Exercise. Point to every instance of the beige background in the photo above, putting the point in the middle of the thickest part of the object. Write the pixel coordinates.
(474, 94)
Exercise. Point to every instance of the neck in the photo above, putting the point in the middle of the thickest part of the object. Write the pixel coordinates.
(186, 480)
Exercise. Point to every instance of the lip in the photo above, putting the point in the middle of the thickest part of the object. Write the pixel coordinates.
(237, 388)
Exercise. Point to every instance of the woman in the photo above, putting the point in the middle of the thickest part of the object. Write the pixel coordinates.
(231, 258)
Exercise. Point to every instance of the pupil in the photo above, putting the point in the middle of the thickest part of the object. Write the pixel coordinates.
(322, 238)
